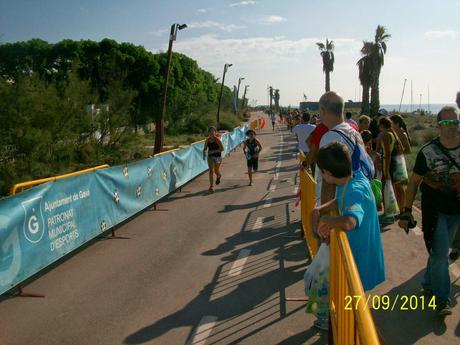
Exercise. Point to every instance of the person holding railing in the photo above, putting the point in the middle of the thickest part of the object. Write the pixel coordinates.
(357, 214)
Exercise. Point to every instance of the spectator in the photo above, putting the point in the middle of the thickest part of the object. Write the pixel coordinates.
(437, 170)
(393, 161)
(303, 131)
(374, 127)
(457, 100)
(331, 114)
(313, 145)
(363, 123)
(400, 129)
(357, 214)
(350, 121)
(366, 135)
(455, 253)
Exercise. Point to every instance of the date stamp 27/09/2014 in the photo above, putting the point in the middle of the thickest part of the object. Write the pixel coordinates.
(391, 303)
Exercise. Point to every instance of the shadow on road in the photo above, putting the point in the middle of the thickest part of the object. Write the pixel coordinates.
(414, 323)
(252, 301)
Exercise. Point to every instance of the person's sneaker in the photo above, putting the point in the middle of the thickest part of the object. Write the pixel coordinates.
(443, 309)
(321, 324)
(218, 179)
(454, 254)
(211, 190)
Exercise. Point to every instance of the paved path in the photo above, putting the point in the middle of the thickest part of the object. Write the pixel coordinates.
(210, 269)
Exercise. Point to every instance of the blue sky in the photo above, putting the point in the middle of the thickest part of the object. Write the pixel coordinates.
(269, 42)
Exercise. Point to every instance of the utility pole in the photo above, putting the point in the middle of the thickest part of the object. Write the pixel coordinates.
(402, 95)
(226, 66)
(159, 126)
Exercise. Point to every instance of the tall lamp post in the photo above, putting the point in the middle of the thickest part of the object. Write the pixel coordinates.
(238, 92)
(226, 66)
(159, 126)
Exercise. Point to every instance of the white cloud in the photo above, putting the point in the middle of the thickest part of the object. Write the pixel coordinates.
(273, 20)
(211, 24)
(159, 32)
(243, 3)
(438, 34)
(202, 10)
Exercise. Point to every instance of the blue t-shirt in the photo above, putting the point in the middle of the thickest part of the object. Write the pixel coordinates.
(365, 240)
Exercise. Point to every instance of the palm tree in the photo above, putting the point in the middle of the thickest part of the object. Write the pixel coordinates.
(365, 77)
(377, 53)
(327, 53)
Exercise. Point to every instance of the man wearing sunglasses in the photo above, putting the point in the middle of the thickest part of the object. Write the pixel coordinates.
(437, 171)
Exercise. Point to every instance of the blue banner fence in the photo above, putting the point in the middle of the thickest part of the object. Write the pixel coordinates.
(45, 223)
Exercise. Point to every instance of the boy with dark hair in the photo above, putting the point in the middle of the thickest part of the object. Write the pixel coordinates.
(357, 211)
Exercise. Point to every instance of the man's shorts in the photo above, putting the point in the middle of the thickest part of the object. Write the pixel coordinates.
(253, 163)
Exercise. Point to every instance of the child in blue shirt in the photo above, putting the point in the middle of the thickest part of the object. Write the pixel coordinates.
(355, 204)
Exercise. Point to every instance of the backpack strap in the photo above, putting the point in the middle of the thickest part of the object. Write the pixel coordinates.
(346, 138)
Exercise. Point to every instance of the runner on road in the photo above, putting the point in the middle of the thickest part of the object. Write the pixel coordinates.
(273, 119)
(215, 148)
(251, 149)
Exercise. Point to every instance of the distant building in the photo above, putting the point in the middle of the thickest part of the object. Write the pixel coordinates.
(314, 106)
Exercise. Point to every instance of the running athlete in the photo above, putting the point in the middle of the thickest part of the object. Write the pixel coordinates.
(273, 119)
(251, 149)
(215, 148)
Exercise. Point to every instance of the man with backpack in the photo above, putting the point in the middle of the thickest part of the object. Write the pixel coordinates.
(331, 107)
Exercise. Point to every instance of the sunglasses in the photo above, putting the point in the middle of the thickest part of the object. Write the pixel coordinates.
(455, 122)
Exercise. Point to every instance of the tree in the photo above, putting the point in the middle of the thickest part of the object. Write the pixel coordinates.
(327, 53)
(376, 56)
(365, 77)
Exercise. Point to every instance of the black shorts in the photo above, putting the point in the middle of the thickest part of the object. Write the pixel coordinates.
(253, 163)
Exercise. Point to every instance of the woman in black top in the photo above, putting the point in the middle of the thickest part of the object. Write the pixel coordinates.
(215, 148)
(251, 149)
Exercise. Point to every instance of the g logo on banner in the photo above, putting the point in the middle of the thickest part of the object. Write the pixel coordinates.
(34, 227)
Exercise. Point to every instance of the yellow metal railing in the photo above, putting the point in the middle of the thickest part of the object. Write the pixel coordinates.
(27, 184)
(351, 318)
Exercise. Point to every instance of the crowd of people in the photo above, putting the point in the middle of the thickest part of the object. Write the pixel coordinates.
(350, 158)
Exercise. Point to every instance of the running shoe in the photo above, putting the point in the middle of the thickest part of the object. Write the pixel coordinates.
(443, 309)
(218, 179)
(454, 254)
(211, 190)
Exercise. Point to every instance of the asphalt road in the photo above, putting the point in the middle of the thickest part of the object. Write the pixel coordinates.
(213, 269)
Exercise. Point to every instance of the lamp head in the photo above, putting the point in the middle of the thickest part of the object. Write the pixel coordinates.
(182, 26)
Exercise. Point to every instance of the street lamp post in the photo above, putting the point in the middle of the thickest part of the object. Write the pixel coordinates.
(238, 92)
(159, 126)
(226, 66)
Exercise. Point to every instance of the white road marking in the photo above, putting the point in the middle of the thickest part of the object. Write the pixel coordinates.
(278, 165)
(268, 202)
(277, 176)
(203, 331)
(238, 265)
(296, 190)
(272, 188)
(417, 231)
(258, 224)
